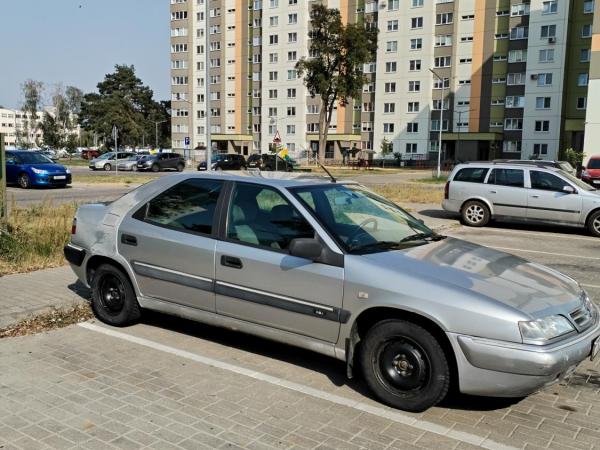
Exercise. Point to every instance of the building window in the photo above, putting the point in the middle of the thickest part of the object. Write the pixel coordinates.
(273, 58)
(291, 93)
(416, 22)
(586, 31)
(550, 7)
(540, 149)
(542, 102)
(390, 87)
(290, 129)
(548, 31)
(292, 19)
(588, 6)
(581, 102)
(393, 5)
(443, 40)
(391, 46)
(513, 124)
(439, 84)
(519, 10)
(292, 37)
(435, 125)
(389, 108)
(388, 127)
(544, 79)
(437, 104)
(413, 107)
(444, 18)
(414, 86)
(274, 21)
(517, 78)
(416, 4)
(515, 101)
(390, 67)
(272, 93)
(292, 56)
(292, 74)
(291, 111)
(274, 39)
(546, 55)
(542, 125)
(414, 65)
(519, 33)
(441, 61)
(517, 56)
(416, 44)
(392, 25)
(412, 127)
(584, 55)
(411, 147)
(582, 79)
(511, 146)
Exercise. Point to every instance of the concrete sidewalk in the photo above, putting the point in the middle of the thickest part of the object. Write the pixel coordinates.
(26, 294)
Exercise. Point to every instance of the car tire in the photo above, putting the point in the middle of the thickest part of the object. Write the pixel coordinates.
(180, 167)
(107, 167)
(113, 298)
(218, 168)
(155, 168)
(134, 168)
(243, 168)
(24, 181)
(593, 224)
(404, 365)
(475, 214)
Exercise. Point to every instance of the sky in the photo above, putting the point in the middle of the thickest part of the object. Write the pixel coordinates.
(77, 42)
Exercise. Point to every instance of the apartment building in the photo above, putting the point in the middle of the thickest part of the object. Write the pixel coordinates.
(509, 77)
(12, 123)
(592, 121)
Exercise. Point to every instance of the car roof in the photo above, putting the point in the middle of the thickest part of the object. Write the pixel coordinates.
(518, 165)
(276, 179)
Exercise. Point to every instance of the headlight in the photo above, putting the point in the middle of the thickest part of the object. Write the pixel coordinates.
(545, 329)
(585, 174)
(38, 171)
(68, 170)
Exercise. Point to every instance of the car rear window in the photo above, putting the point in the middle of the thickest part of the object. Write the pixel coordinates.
(507, 177)
(594, 164)
(471, 174)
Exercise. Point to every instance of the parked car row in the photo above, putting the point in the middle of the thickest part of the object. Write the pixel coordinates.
(234, 161)
(481, 192)
(134, 161)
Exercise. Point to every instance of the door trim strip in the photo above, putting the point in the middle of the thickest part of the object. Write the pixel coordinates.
(173, 276)
(537, 208)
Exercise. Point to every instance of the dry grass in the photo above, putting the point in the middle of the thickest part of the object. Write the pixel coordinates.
(114, 179)
(33, 238)
(409, 193)
(56, 318)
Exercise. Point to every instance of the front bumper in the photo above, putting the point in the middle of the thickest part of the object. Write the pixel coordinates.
(503, 369)
(54, 179)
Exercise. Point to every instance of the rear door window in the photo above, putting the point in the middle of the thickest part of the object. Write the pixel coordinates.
(471, 174)
(507, 177)
(546, 181)
(187, 206)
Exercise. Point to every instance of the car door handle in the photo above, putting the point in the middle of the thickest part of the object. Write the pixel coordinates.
(128, 239)
(535, 196)
(492, 192)
(231, 261)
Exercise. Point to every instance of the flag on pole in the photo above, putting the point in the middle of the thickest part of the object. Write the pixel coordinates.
(283, 154)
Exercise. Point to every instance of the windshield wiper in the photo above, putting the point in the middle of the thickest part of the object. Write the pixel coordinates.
(430, 237)
(379, 245)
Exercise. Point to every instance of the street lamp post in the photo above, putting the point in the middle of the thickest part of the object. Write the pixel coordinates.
(156, 132)
(441, 123)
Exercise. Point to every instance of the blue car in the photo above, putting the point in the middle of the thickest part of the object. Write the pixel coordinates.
(29, 168)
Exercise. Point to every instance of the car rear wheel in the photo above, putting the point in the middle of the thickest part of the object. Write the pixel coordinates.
(113, 298)
(180, 167)
(594, 224)
(475, 214)
(24, 181)
(404, 365)
(218, 168)
(107, 167)
(155, 168)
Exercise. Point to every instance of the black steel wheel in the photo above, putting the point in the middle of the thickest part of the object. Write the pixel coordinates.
(404, 365)
(113, 298)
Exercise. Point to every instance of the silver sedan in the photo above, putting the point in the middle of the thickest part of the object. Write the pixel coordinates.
(332, 267)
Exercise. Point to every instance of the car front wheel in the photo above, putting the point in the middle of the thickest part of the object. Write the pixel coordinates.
(107, 167)
(475, 214)
(180, 167)
(113, 298)
(594, 224)
(404, 365)
(24, 181)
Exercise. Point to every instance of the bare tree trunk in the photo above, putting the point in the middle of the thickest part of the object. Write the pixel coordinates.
(323, 129)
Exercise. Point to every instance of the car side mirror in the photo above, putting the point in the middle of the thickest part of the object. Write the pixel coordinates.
(305, 248)
(569, 189)
(10, 162)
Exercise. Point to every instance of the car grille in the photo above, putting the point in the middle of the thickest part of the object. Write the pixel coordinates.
(583, 316)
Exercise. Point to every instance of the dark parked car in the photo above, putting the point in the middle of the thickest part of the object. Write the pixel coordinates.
(28, 168)
(266, 161)
(161, 161)
(225, 161)
(563, 165)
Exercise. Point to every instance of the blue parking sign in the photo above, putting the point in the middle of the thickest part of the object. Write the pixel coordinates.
(187, 140)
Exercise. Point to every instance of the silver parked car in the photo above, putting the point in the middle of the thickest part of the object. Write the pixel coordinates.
(130, 164)
(106, 161)
(515, 192)
(334, 268)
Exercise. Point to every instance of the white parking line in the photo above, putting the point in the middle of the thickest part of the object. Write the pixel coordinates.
(396, 416)
(530, 233)
(544, 253)
(593, 286)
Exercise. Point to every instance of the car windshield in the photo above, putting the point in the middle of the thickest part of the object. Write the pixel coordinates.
(576, 181)
(362, 221)
(33, 158)
(594, 164)
(108, 155)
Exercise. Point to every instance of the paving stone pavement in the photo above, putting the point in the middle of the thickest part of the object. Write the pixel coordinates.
(25, 294)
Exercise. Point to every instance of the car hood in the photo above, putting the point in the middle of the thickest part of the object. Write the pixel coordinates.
(462, 266)
(51, 168)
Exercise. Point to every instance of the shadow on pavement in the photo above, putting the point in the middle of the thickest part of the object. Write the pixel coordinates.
(81, 290)
(333, 369)
(438, 214)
